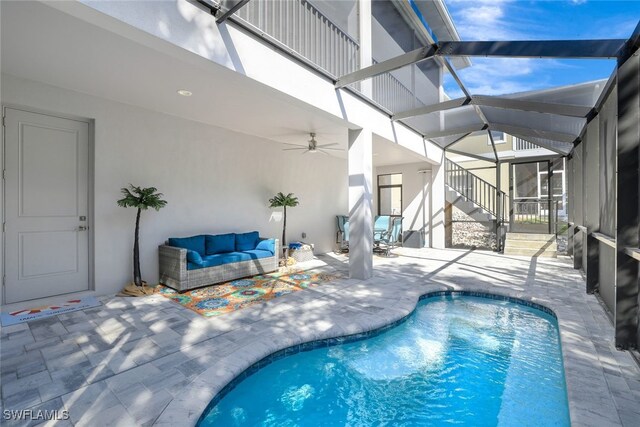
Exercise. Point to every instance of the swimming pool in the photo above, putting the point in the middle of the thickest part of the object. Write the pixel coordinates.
(458, 359)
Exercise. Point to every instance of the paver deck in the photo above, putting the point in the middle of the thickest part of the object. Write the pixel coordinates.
(149, 361)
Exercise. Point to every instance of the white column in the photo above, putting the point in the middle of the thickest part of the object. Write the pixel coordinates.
(360, 204)
(366, 48)
(437, 205)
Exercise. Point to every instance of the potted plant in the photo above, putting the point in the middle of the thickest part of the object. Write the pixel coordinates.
(142, 199)
(288, 201)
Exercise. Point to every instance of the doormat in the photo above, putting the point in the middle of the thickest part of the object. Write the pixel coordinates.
(20, 316)
(216, 300)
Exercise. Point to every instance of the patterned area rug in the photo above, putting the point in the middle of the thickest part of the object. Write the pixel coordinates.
(216, 300)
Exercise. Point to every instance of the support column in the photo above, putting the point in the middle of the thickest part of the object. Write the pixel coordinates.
(498, 207)
(360, 204)
(366, 44)
(570, 203)
(627, 200)
(591, 157)
(578, 211)
(437, 205)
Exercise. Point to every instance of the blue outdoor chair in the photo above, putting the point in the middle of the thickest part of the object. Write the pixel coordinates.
(391, 238)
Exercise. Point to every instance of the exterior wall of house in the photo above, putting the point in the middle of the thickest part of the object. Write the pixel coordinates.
(214, 180)
(417, 210)
(195, 31)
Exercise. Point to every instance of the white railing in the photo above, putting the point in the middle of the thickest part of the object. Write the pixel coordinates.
(301, 27)
(522, 145)
(390, 93)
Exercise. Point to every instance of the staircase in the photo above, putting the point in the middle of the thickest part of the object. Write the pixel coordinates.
(474, 196)
(533, 245)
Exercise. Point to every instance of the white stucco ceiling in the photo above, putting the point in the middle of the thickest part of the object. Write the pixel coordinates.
(42, 43)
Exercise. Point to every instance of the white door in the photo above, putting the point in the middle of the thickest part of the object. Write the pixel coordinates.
(46, 199)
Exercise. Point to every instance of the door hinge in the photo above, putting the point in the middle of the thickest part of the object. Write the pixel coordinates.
(3, 120)
(4, 174)
(4, 227)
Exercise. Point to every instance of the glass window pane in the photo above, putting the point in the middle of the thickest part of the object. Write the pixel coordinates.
(391, 179)
(390, 201)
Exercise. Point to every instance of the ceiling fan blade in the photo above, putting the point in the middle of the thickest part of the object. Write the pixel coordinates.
(322, 151)
(332, 149)
(294, 149)
(327, 145)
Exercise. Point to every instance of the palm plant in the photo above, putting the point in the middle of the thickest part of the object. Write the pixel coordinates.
(280, 200)
(142, 199)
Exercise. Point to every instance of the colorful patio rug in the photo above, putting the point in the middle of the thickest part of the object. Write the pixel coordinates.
(216, 300)
(19, 316)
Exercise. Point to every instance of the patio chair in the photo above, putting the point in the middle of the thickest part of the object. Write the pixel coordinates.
(342, 233)
(381, 227)
(391, 238)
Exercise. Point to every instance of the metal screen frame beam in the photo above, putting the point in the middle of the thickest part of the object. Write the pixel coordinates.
(626, 314)
(538, 107)
(400, 61)
(231, 10)
(473, 156)
(441, 106)
(493, 145)
(580, 49)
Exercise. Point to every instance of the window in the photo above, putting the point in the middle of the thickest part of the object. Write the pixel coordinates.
(498, 137)
(390, 194)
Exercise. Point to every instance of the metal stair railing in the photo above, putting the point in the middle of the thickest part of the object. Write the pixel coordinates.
(475, 189)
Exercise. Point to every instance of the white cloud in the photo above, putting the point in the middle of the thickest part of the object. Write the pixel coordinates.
(499, 76)
(482, 19)
(577, 2)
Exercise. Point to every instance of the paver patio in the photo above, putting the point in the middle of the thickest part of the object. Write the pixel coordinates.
(144, 361)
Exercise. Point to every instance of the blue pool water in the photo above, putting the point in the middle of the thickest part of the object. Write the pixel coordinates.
(457, 360)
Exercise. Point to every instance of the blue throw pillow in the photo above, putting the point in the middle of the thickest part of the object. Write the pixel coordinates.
(220, 244)
(247, 241)
(267, 245)
(194, 257)
(194, 243)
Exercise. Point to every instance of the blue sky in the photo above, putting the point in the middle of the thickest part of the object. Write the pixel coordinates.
(537, 20)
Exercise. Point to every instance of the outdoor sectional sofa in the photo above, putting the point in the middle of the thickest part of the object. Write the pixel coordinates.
(192, 262)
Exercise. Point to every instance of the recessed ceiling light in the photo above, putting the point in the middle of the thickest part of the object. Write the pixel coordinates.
(184, 92)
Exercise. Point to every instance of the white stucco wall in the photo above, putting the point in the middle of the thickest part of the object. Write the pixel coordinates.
(194, 30)
(214, 180)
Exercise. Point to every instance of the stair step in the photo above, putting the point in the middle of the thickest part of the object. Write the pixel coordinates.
(531, 236)
(531, 253)
(530, 244)
(533, 245)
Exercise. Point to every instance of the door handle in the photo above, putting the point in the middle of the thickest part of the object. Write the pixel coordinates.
(83, 228)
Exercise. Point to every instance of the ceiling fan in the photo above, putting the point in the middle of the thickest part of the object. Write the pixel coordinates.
(314, 147)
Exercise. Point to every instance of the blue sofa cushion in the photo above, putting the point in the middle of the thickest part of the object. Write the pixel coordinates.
(247, 241)
(226, 258)
(194, 257)
(194, 243)
(221, 243)
(212, 261)
(267, 245)
(258, 253)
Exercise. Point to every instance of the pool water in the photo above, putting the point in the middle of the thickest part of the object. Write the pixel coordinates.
(457, 360)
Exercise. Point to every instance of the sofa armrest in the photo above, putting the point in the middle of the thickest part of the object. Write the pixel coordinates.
(172, 263)
(276, 245)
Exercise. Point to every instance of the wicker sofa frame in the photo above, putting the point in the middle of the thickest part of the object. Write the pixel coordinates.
(174, 273)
